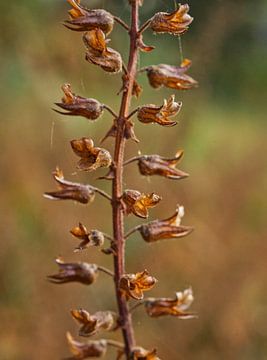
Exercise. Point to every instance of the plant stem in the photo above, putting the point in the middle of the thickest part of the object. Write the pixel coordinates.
(117, 190)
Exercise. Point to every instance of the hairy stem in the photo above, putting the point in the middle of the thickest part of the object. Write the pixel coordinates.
(117, 190)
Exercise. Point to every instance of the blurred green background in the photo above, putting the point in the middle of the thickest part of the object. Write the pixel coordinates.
(223, 131)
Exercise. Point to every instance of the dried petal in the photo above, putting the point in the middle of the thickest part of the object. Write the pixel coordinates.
(175, 23)
(160, 114)
(133, 285)
(165, 229)
(81, 272)
(89, 238)
(70, 191)
(173, 77)
(93, 348)
(157, 165)
(83, 19)
(140, 353)
(174, 307)
(91, 157)
(138, 203)
(93, 324)
(143, 47)
(99, 54)
(79, 106)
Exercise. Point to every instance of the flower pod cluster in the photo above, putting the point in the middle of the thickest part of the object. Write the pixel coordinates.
(88, 238)
(138, 203)
(133, 285)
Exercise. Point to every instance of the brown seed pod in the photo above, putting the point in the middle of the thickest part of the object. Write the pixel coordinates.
(80, 351)
(88, 238)
(140, 353)
(138, 203)
(133, 285)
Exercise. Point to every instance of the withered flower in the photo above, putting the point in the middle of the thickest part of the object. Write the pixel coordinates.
(81, 272)
(175, 23)
(99, 54)
(140, 353)
(92, 324)
(89, 238)
(79, 106)
(83, 19)
(92, 157)
(160, 114)
(138, 203)
(70, 191)
(133, 285)
(174, 307)
(170, 76)
(80, 351)
(165, 229)
(157, 165)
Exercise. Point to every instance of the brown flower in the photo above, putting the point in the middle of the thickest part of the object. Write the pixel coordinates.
(80, 351)
(165, 229)
(133, 285)
(175, 23)
(81, 272)
(138, 203)
(89, 238)
(93, 324)
(140, 353)
(174, 307)
(79, 106)
(99, 54)
(157, 165)
(83, 19)
(173, 77)
(160, 114)
(91, 157)
(70, 191)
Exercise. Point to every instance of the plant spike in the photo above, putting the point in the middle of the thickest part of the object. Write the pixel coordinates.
(95, 26)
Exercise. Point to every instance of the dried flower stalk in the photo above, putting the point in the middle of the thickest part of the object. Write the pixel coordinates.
(96, 24)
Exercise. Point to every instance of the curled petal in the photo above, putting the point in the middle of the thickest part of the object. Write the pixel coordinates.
(99, 54)
(160, 114)
(96, 348)
(175, 23)
(138, 203)
(88, 238)
(133, 285)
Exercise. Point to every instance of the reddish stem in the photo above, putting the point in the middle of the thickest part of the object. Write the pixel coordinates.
(117, 190)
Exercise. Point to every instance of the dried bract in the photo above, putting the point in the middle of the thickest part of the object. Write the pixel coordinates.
(89, 238)
(97, 348)
(92, 157)
(175, 23)
(138, 203)
(160, 114)
(157, 165)
(165, 229)
(70, 191)
(93, 324)
(83, 19)
(170, 76)
(140, 353)
(99, 54)
(133, 285)
(81, 272)
(174, 307)
(79, 106)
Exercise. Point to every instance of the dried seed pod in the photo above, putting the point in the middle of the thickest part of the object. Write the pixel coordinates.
(93, 348)
(133, 285)
(89, 238)
(128, 131)
(79, 106)
(81, 272)
(165, 229)
(92, 157)
(93, 324)
(175, 23)
(174, 307)
(157, 165)
(99, 54)
(70, 191)
(83, 19)
(160, 114)
(138, 203)
(170, 76)
(140, 353)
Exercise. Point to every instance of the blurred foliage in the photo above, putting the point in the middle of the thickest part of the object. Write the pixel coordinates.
(222, 129)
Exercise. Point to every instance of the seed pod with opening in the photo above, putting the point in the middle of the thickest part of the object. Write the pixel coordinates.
(138, 203)
(88, 238)
(133, 285)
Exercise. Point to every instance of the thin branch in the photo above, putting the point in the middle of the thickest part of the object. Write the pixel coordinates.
(114, 343)
(133, 230)
(105, 270)
(144, 26)
(108, 237)
(121, 22)
(101, 192)
(133, 112)
(111, 111)
(137, 305)
(135, 158)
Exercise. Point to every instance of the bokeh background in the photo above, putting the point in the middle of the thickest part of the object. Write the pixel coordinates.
(222, 128)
